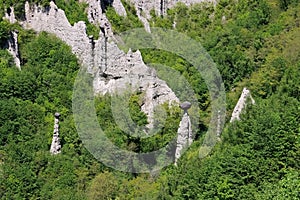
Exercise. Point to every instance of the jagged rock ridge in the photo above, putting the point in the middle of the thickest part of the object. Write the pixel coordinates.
(112, 68)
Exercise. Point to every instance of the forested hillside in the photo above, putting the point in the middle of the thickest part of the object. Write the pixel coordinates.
(255, 44)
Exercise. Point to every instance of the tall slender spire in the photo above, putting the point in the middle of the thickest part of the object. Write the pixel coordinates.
(185, 136)
(241, 104)
(55, 145)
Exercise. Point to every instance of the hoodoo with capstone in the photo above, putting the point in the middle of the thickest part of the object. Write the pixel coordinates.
(184, 137)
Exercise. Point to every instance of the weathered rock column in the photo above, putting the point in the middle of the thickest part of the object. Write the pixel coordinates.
(219, 124)
(241, 104)
(55, 145)
(184, 138)
(13, 48)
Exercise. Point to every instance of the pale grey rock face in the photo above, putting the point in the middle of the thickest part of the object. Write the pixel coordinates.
(97, 16)
(55, 145)
(184, 137)
(241, 104)
(13, 48)
(55, 21)
(128, 72)
(144, 20)
(94, 13)
(113, 70)
(119, 8)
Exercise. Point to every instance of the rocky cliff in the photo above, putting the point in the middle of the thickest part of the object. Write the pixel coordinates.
(112, 68)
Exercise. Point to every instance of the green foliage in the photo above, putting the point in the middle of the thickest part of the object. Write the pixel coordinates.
(134, 142)
(287, 188)
(255, 153)
(6, 60)
(103, 186)
(28, 100)
(74, 10)
(19, 6)
(229, 40)
(285, 4)
(4, 32)
(135, 104)
(121, 24)
(190, 73)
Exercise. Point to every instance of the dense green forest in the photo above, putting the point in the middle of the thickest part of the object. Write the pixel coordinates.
(255, 46)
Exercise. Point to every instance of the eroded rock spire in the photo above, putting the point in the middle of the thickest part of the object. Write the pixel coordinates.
(184, 137)
(55, 145)
(13, 48)
(241, 104)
